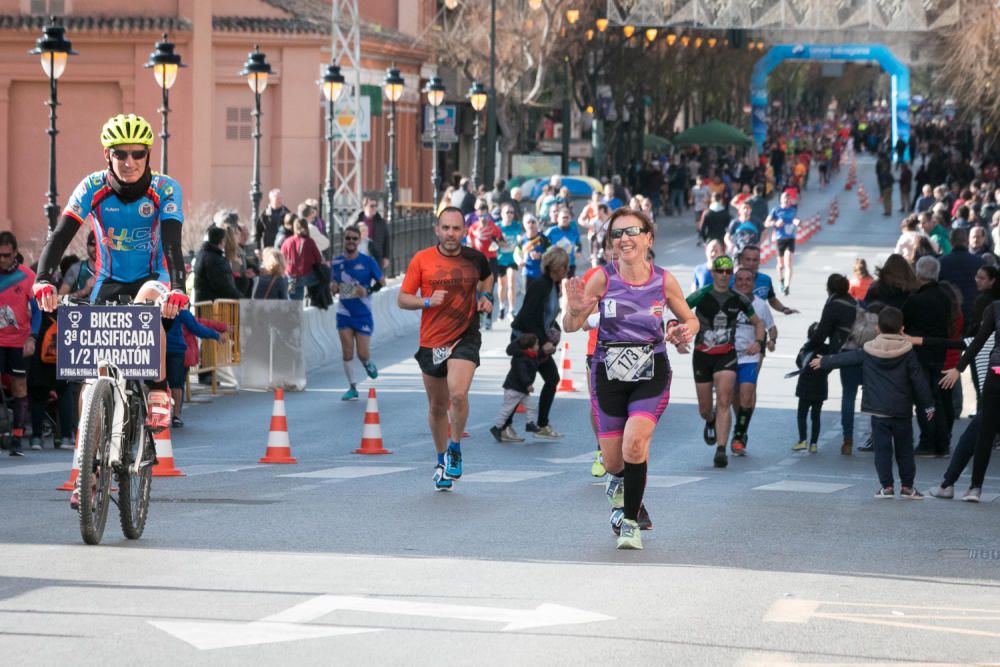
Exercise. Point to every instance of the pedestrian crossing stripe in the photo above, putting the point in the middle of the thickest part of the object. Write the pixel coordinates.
(505, 476)
(38, 468)
(803, 487)
(666, 481)
(348, 472)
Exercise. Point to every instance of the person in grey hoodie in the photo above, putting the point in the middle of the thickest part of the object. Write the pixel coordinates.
(891, 381)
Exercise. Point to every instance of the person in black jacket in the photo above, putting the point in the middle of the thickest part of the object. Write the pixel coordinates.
(893, 380)
(538, 315)
(213, 274)
(811, 389)
(835, 326)
(517, 386)
(266, 226)
(378, 233)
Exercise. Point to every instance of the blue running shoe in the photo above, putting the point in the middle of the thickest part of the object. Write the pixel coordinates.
(350, 395)
(370, 369)
(441, 483)
(453, 464)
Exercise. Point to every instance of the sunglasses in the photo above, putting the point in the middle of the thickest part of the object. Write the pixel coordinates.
(352, 238)
(135, 155)
(631, 231)
(723, 271)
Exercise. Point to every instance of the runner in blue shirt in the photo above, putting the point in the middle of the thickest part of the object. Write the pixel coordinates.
(506, 264)
(354, 277)
(566, 236)
(749, 259)
(785, 223)
(532, 246)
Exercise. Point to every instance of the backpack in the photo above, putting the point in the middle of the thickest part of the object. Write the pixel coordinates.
(863, 330)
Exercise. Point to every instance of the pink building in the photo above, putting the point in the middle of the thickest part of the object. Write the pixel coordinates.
(210, 124)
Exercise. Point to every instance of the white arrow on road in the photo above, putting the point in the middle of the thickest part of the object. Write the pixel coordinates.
(290, 624)
(516, 619)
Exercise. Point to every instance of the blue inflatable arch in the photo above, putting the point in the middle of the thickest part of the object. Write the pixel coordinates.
(899, 73)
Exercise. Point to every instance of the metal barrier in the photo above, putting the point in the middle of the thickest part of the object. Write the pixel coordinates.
(224, 352)
(408, 233)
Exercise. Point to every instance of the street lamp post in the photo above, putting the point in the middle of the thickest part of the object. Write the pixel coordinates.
(491, 110)
(54, 49)
(332, 84)
(256, 70)
(477, 98)
(165, 64)
(392, 88)
(435, 96)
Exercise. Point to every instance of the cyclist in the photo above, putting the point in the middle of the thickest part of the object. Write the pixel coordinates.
(136, 218)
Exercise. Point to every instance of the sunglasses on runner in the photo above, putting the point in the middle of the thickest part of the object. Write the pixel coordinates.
(135, 155)
(352, 238)
(631, 231)
(723, 271)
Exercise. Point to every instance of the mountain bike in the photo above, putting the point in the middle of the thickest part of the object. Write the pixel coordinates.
(114, 444)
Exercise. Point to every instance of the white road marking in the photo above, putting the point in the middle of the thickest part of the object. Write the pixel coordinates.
(38, 468)
(208, 635)
(505, 476)
(803, 487)
(348, 472)
(582, 458)
(666, 481)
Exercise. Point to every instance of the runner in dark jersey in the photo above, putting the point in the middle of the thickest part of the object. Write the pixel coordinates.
(451, 283)
(630, 374)
(714, 359)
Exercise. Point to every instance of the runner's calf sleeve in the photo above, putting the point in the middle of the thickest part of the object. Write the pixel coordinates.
(21, 412)
(349, 371)
(743, 416)
(635, 487)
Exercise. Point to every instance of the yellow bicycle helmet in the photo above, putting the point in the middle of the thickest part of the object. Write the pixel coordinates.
(126, 129)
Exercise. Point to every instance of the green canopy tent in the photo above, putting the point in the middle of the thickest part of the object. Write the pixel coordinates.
(654, 143)
(712, 133)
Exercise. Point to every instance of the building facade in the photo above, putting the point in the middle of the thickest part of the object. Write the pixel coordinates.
(211, 147)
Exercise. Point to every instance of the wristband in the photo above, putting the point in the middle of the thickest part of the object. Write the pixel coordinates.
(427, 303)
(487, 295)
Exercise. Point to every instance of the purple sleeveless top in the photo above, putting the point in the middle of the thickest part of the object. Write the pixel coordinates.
(631, 313)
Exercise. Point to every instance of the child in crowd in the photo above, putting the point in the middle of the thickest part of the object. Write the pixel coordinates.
(516, 387)
(811, 390)
(177, 349)
(892, 380)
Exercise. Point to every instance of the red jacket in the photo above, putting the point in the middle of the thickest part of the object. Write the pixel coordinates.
(301, 254)
(191, 354)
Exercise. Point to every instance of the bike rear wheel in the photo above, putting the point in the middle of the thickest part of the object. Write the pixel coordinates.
(134, 486)
(95, 466)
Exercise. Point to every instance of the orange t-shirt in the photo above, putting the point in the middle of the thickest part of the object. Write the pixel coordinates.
(859, 287)
(430, 270)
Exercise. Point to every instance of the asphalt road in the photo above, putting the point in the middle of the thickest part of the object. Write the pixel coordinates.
(779, 559)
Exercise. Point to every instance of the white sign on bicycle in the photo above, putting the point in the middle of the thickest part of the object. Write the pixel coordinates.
(127, 336)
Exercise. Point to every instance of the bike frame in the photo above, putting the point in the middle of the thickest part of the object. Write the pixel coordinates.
(109, 373)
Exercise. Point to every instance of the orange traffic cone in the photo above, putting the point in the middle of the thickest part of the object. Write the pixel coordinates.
(165, 456)
(371, 435)
(75, 472)
(279, 449)
(566, 379)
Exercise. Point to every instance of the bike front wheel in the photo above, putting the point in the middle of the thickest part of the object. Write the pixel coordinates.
(95, 464)
(134, 485)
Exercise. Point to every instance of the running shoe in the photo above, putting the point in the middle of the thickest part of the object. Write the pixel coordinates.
(350, 395)
(720, 460)
(885, 492)
(630, 537)
(510, 435)
(159, 411)
(709, 432)
(614, 489)
(867, 446)
(972, 495)
(800, 446)
(548, 432)
(645, 523)
(739, 448)
(370, 369)
(453, 464)
(943, 492)
(617, 516)
(17, 452)
(910, 493)
(441, 482)
(813, 448)
(597, 468)
(36, 444)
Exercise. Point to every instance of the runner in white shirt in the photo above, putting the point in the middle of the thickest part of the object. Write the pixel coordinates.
(748, 365)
